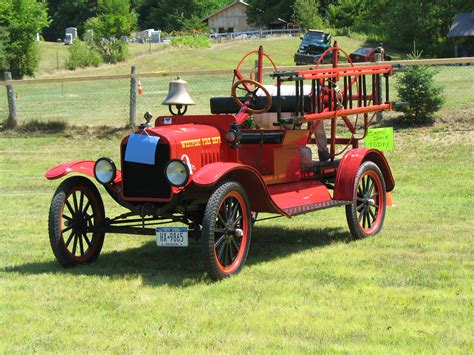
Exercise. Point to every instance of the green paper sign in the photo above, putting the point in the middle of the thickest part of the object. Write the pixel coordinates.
(380, 138)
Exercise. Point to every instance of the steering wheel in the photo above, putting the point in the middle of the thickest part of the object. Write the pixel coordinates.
(245, 85)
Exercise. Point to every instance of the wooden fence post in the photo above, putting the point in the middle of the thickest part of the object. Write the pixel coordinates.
(133, 97)
(378, 115)
(12, 119)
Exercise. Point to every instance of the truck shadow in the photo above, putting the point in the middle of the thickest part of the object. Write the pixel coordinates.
(183, 267)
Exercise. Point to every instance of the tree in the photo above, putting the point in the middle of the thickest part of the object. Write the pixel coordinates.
(68, 14)
(22, 19)
(417, 89)
(176, 15)
(400, 22)
(265, 12)
(113, 21)
(306, 14)
(4, 59)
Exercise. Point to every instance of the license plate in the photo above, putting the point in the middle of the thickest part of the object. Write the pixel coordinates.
(172, 236)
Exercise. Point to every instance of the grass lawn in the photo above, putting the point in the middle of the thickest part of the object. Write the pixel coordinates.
(158, 57)
(306, 287)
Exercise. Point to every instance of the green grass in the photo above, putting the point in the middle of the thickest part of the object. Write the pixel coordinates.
(306, 287)
(159, 57)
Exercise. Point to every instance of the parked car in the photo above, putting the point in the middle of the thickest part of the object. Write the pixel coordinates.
(313, 45)
(205, 177)
(366, 54)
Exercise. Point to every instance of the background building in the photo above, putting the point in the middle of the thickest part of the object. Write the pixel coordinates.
(231, 18)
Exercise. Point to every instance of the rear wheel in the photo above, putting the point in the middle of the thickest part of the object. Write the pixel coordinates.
(226, 231)
(366, 214)
(76, 210)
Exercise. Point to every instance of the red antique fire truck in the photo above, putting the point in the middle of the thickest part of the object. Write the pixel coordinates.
(212, 176)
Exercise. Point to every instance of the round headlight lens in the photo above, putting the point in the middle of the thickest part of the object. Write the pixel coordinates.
(104, 170)
(177, 172)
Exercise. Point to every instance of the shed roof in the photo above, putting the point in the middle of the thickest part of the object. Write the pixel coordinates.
(463, 25)
(225, 8)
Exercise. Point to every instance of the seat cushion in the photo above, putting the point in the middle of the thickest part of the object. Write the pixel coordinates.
(227, 104)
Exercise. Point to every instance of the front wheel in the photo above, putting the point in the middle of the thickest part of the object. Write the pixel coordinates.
(75, 213)
(366, 214)
(226, 231)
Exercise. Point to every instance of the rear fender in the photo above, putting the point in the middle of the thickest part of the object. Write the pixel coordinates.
(257, 192)
(84, 167)
(348, 167)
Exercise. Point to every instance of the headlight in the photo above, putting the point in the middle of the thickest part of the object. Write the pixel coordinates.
(105, 170)
(177, 172)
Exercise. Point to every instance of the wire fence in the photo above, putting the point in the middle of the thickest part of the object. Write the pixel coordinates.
(106, 100)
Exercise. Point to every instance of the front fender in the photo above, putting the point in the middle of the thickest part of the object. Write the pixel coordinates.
(348, 167)
(85, 167)
(248, 177)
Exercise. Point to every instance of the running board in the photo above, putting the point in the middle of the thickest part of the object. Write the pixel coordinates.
(302, 197)
(294, 211)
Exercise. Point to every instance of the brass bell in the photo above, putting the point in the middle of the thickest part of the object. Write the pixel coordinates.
(178, 95)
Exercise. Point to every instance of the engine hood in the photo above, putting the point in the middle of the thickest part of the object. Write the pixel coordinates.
(196, 144)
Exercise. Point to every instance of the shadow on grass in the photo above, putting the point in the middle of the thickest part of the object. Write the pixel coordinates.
(183, 266)
(34, 126)
(403, 122)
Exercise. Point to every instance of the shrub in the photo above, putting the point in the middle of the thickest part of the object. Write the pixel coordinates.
(21, 19)
(422, 97)
(191, 41)
(112, 50)
(81, 55)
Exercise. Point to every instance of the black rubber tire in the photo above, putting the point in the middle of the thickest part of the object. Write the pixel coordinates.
(90, 243)
(361, 202)
(214, 268)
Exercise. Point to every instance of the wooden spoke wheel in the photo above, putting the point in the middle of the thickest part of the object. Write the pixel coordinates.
(226, 231)
(366, 214)
(75, 213)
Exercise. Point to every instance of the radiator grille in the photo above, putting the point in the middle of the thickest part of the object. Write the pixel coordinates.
(146, 181)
